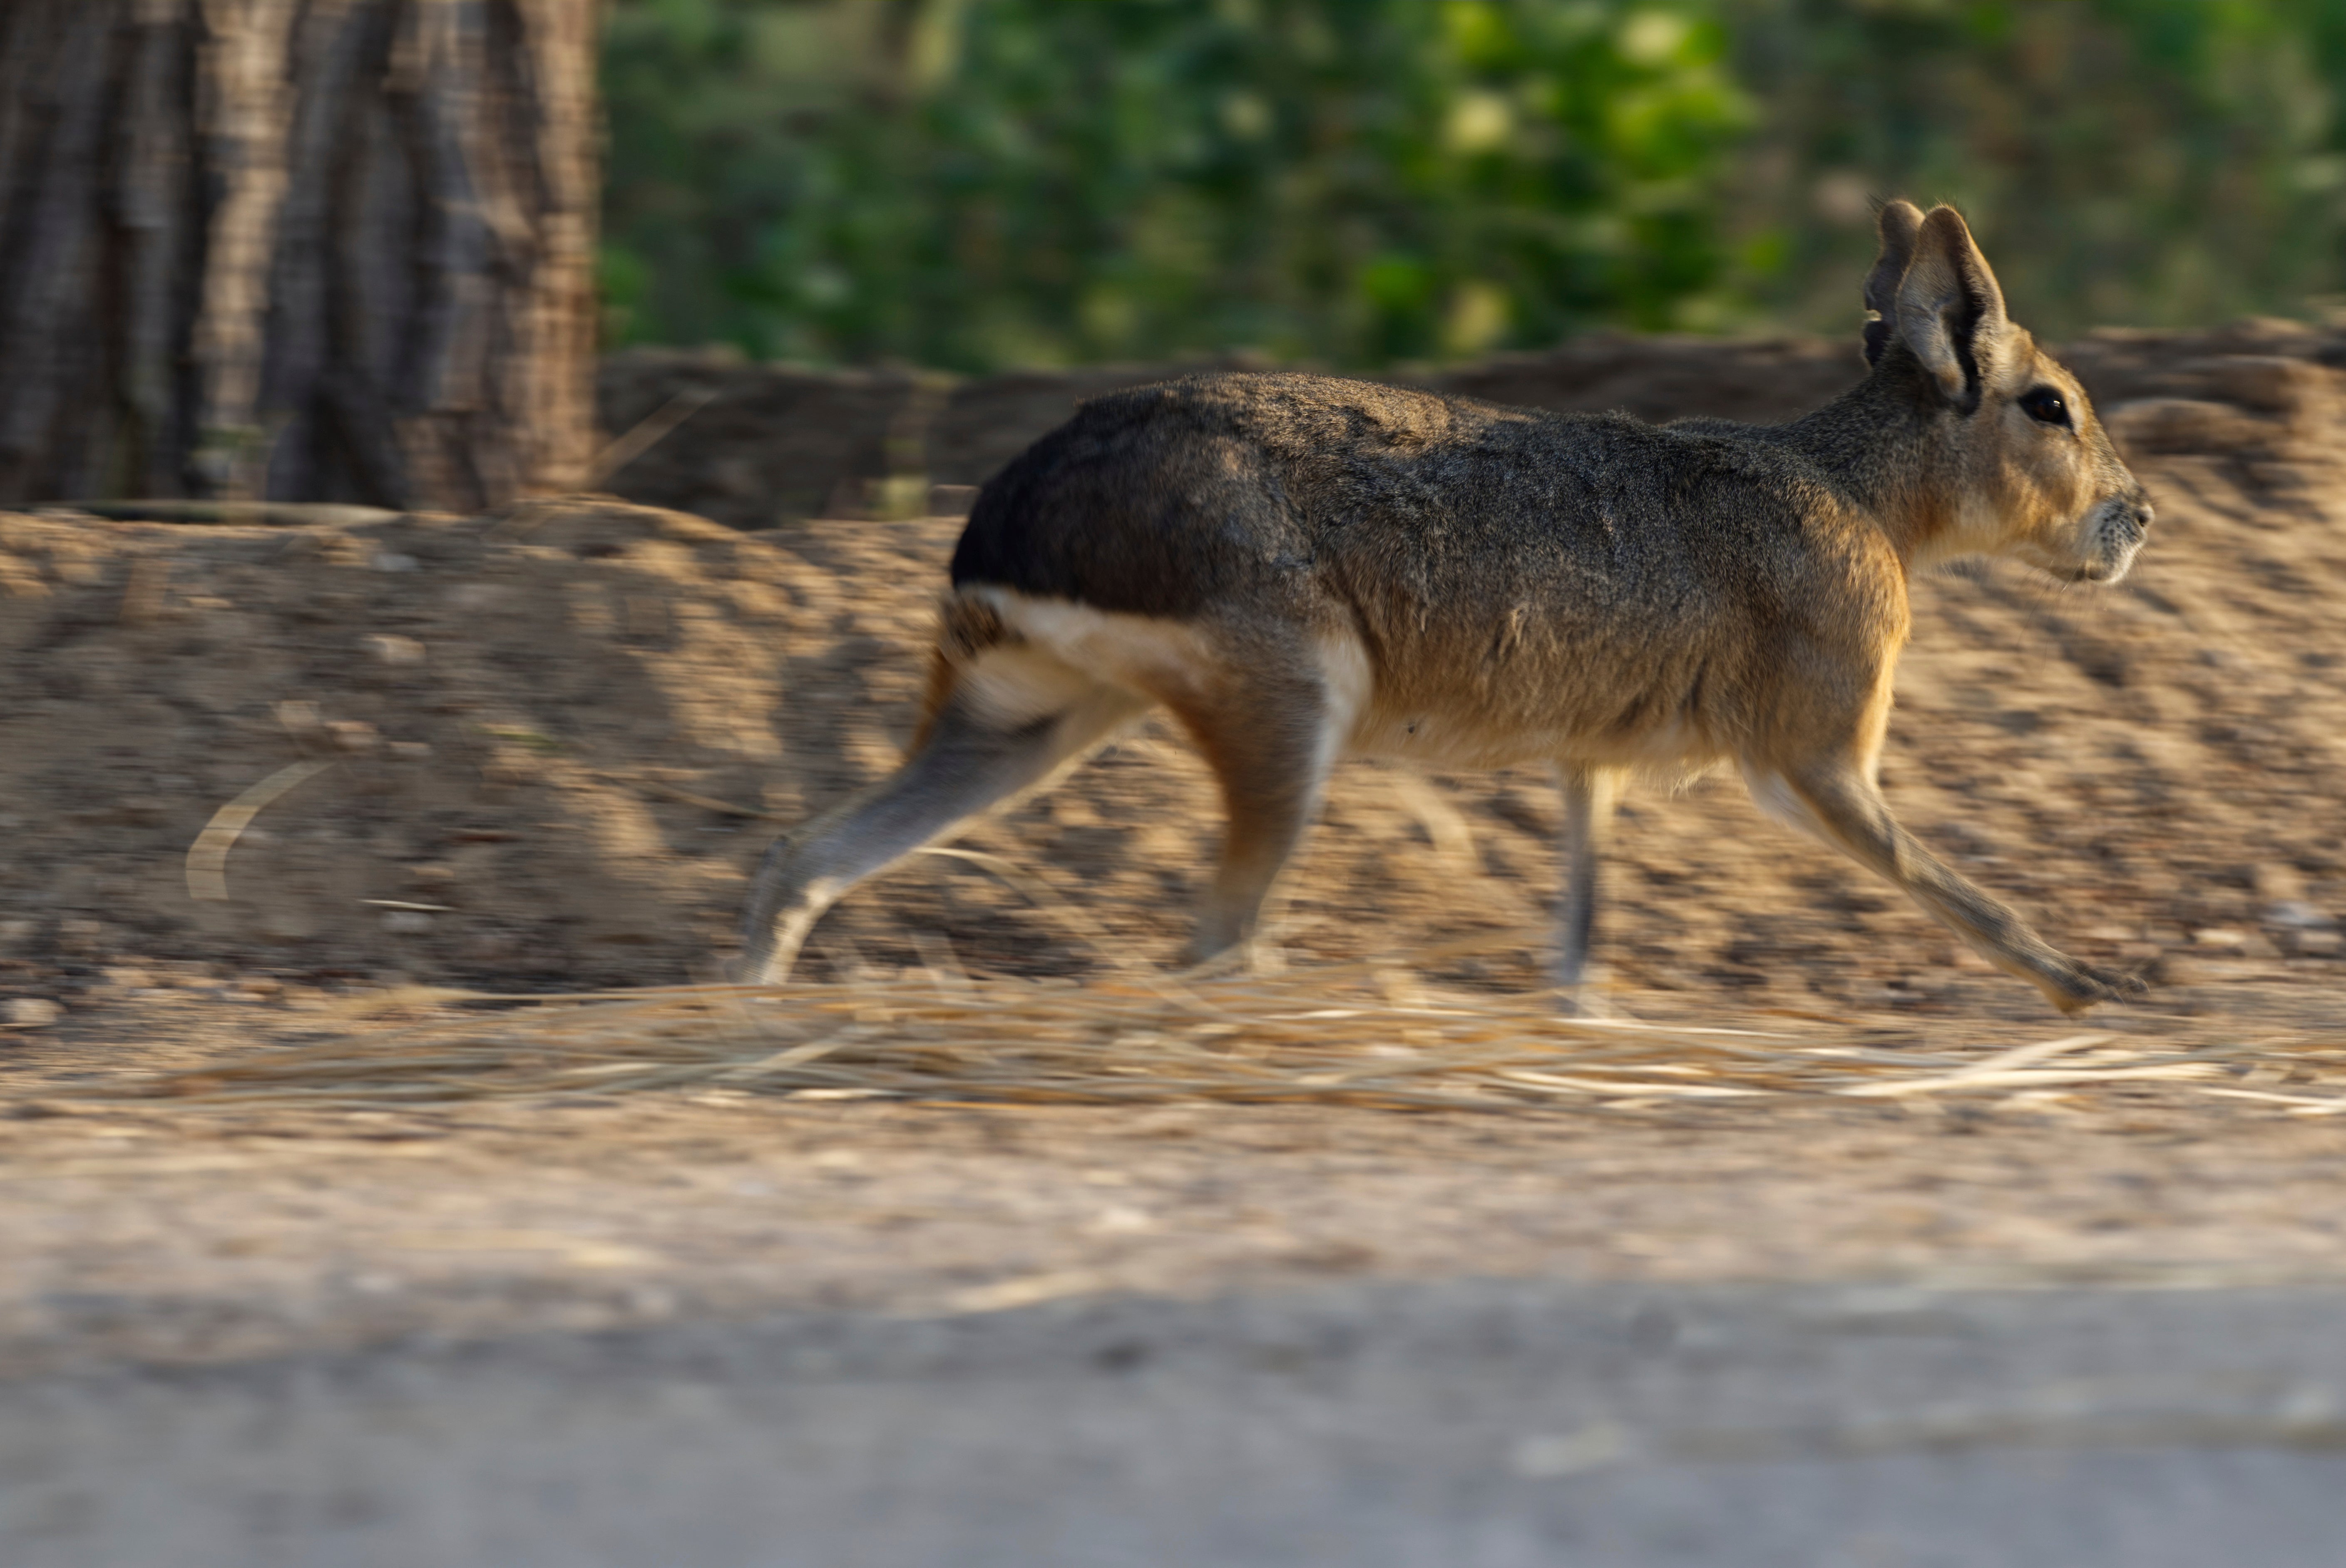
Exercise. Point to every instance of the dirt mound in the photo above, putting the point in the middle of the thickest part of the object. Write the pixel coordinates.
(768, 447)
(544, 730)
(508, 706)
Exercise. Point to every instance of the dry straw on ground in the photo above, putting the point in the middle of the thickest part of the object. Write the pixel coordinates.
(1364, 1034)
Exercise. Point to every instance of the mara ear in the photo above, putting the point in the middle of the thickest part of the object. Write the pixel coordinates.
(1901, 221)
(1948, 310)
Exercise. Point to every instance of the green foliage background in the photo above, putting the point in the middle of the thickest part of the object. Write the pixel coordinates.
(979, 184)
(2141, 162)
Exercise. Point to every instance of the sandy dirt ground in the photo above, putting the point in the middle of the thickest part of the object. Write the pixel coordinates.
(538, 750)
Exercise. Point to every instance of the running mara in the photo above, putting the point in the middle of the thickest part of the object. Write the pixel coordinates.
(1304, 569)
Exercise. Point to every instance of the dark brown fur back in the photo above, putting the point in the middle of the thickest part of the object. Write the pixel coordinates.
(1602, 573)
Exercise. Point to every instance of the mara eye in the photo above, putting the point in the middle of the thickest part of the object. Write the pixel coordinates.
(2045, 404)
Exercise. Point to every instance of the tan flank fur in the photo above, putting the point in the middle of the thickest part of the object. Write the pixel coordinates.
(1304, 569)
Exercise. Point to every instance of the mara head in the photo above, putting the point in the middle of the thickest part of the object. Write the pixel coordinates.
(2020, 466)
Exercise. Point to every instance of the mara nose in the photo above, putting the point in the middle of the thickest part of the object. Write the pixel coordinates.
(2143, 514)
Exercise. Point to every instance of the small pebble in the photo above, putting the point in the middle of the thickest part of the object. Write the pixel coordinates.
(81, 936)
(396, 650)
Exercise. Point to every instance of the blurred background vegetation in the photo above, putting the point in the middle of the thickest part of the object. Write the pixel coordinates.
(983, 184)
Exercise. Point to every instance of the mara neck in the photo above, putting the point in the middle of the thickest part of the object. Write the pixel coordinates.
(1886, 446)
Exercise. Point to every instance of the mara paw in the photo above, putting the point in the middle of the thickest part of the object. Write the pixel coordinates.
(1585, 1001)
(2076, 986)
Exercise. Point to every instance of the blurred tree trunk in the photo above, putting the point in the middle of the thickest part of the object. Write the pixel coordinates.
(296, 249)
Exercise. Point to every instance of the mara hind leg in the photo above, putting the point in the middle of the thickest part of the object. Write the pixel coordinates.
(1839, 801)
(1271, 736)
(1590, 795)
(973, 756)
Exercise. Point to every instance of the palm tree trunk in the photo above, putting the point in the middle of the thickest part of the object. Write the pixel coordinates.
(296, 249)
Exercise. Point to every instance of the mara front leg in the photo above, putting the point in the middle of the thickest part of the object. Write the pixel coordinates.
(1590, 795)
(1839, 801)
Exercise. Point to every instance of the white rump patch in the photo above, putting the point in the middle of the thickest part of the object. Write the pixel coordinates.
(1011, 687)
(1071, 648)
